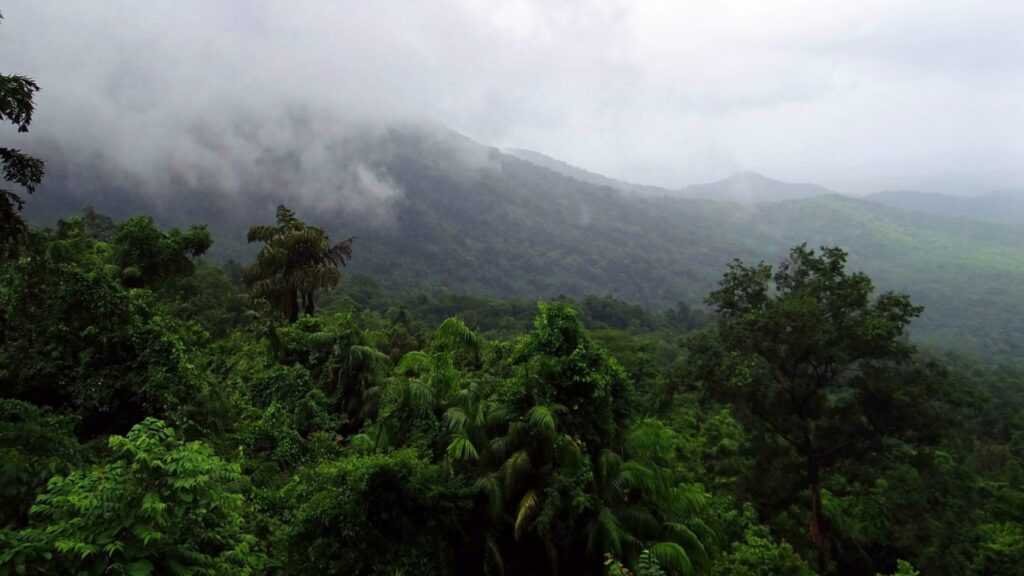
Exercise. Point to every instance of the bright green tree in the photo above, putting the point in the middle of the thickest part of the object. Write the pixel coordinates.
(161, 506)
(296, 260)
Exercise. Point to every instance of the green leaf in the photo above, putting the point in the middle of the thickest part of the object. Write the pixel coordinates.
(139, 568)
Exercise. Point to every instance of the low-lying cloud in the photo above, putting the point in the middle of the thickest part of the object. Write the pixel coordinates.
(667, 93)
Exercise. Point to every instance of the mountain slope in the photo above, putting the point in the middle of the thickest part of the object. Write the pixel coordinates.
(435, 210)
(582, 175)
(994, 207)
(751, 187)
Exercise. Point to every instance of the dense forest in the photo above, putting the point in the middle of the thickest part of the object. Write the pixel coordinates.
(671, 406)
(163, 415)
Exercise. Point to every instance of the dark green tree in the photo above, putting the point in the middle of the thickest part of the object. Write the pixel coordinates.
(295, 261)
(73, 338)
(810, 358)
(16, 107)
(148, 256)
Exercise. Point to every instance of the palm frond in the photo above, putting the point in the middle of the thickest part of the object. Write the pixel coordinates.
(369, 358)
(493, 555)
(688, 539)
(605, 533)
(501, 447)
(490, 486)
(632, 477)
(672, 557)
(542, 418)
(455, 333)
(524, 511)
(261, 233)
(340, 253)
(456, 418)
(461, 449)
(515, 469)
(415, 362)
(421, 393)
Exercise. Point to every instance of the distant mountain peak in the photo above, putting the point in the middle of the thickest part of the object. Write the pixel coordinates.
(752, 187)
(748, 175)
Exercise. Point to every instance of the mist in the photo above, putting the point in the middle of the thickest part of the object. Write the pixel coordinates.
(663, 93)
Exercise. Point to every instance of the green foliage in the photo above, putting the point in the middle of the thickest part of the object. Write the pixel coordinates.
(295, 261)
(160, 506)
(558, 363)
(148, 256)
(577, 437)
(903, 568)
(17, 105)
(74, 338)
(374, 514)
(758, 555)
(1001, 550)
(34, 446)
(805, 353)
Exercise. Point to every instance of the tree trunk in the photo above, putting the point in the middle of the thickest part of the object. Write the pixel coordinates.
(817, 518)
(310, 308)
(291, 305)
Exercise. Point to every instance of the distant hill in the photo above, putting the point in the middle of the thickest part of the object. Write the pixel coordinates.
(1006, 206)
(751, 187)
(435, 210)
(741, 187)
(583, 175)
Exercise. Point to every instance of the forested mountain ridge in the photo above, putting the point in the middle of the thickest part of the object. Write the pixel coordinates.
(1005, 207)
(582, 175)
(435, 210)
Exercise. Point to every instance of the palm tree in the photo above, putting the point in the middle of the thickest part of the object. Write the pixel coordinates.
(295, 261)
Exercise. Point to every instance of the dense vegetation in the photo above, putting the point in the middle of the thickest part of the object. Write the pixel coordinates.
(1005, 207)
(472, 219)
(158, 419)
(160, 414)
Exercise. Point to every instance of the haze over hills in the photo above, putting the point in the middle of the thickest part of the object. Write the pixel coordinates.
(751, 187)
(1006, 206)
(743, 187)
(435, 210)
(582, 175)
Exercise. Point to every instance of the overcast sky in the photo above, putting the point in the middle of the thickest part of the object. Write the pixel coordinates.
(668, 93)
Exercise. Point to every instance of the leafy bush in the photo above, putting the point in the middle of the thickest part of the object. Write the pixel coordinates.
(160, 507)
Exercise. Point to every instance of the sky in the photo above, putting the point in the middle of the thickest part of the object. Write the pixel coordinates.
(843, 93)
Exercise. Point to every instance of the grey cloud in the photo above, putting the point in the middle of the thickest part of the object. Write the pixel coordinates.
(668, 92)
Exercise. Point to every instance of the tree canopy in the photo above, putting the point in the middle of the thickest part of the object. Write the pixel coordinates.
(296, 260)
(157, 416)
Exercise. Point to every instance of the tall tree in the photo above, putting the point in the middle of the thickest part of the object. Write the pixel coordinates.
(295, 261)
(806, 354)
(16, 107)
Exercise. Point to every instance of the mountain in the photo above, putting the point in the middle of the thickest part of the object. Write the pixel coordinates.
(435, 210)
(582, 175)
(1005, 206)
(742, 187)
(751, 187)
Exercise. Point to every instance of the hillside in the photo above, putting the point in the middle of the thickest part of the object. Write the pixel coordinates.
(1007, 207)
(582, 175)
(450, 213)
